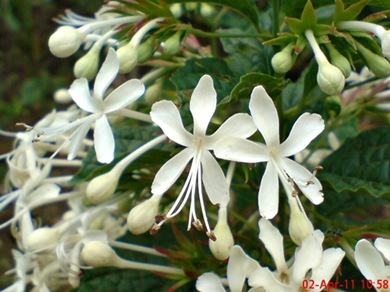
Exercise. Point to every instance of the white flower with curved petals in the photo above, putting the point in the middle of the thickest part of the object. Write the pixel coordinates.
(265, 116)
(288, 276)
(100, 108)
(372, 261)
(204, 168)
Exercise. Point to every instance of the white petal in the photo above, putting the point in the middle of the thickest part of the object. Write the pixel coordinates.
(265, 115)
(269, 192)
(104, 140)
(165, 114)
(308, 256)
(273, 242)
(369, 261)
(76, 139)
(330, 260)
(383, 245)
(170, 171)
(106, 74)
(239, 267)
(124, 95)
(209, 282)
(239, 125)
(241, 150)
(306, 128)
(203, 104)
(305, 180)
(265, 279)
(44, 192)
(79, 91)
(214, 180)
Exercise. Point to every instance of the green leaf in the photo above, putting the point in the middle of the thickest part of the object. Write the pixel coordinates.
(350, 13)
(113, 279)
(246, 54)
(381, 3)
(308, 16)
(247, 82)
(361, 164)
(187, 77)
(127, 139)
(244, 7)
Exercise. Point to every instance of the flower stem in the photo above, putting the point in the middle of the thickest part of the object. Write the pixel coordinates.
(133, 115)
(121, 263)
(135, 247)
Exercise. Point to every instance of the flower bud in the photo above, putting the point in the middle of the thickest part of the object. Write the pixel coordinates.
(87, 66)
(62, 96)
(128, 57)
(65, 41)
(221, 247)
(339, 61)
(283, 61)
(142, 217)
(42, 238)
(98, 254)
(172, 45)
(330, 78)
(102, 187)
(377, 64)
(299, 226)
(153, 92)
(145, 50)
(206, 10)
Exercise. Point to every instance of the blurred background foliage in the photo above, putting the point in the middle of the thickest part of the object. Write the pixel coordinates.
(29, 75)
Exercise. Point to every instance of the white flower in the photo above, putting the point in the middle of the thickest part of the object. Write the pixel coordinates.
(209, 282)
(329, 78)
(265, 116)
(373, 262)
(99, 108)
(204, 168)
(288, 275)
(309, 256)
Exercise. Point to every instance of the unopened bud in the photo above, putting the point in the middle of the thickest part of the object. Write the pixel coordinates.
(172, 45)
(299, 226)
(87, 66)
(128, 57)
(377, 64)
(41, 239)
(206, 10)
(146, 50)
(98, 254)
(330, 78)
(153, 92)
(224, 238)
(62, 96)
(142, 217)
(339, 60)
(283, 60)
(65, 41)
(102, 187)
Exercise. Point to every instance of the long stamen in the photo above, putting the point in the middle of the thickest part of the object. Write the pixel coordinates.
(201, 200)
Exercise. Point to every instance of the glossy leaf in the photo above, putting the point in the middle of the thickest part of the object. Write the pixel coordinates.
(361, 164)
